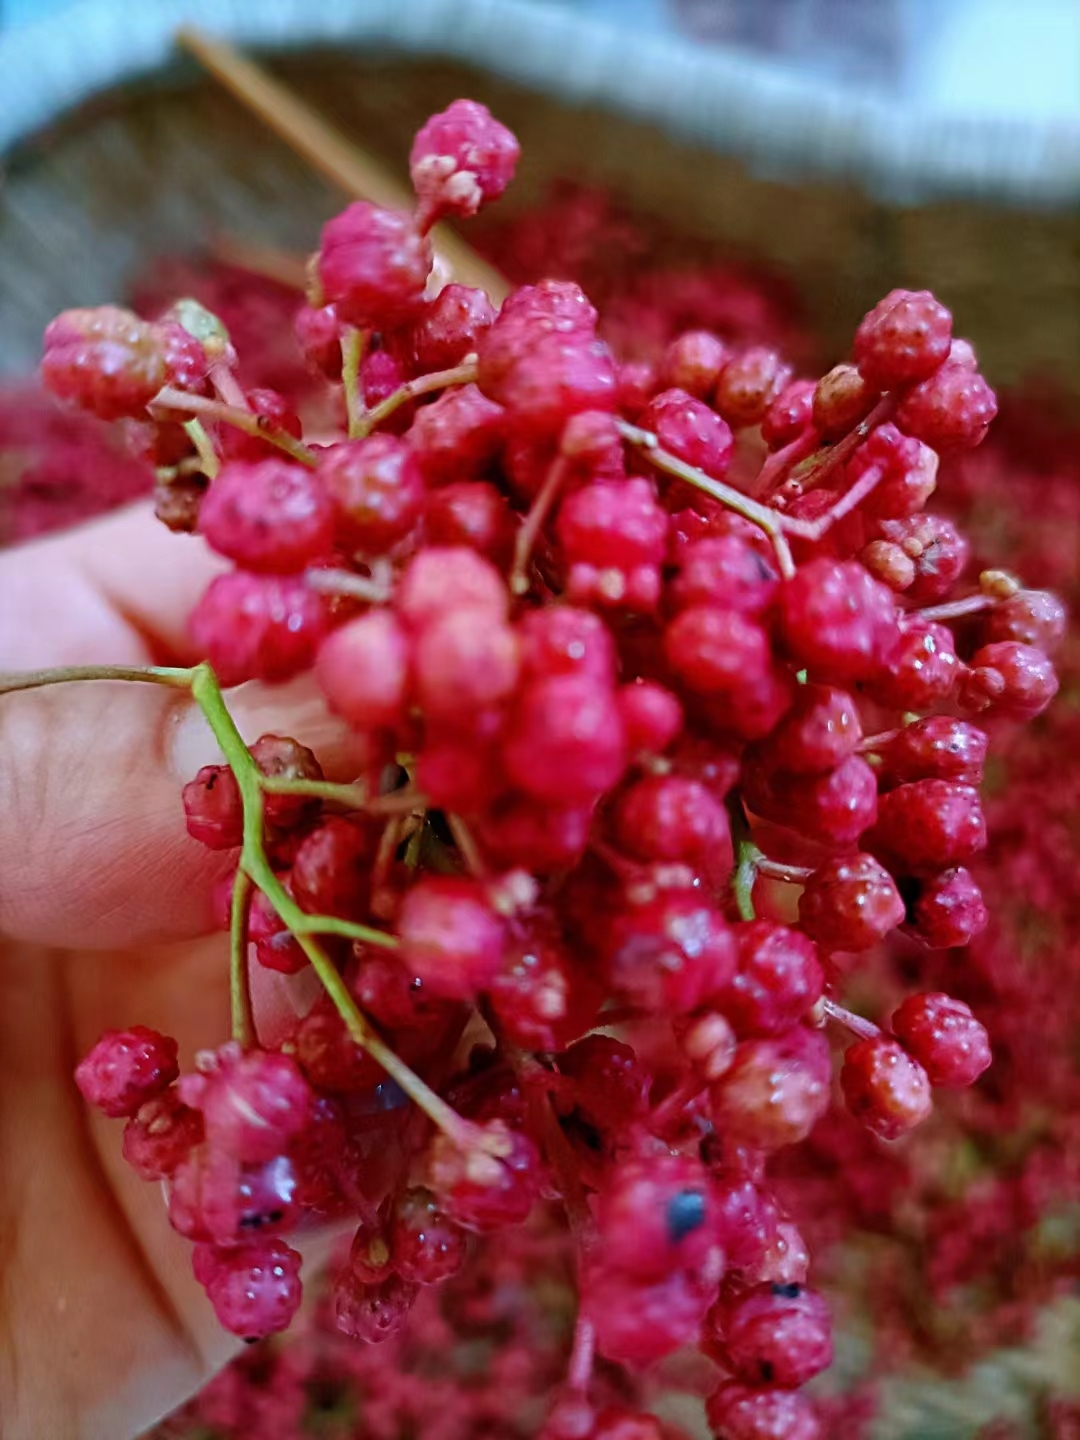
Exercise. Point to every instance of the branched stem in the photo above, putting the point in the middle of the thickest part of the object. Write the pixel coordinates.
(463, 374)
(209, 463)
(742, 885)
(255, 870)
(765, 518)
(245, 420)
(353, 344)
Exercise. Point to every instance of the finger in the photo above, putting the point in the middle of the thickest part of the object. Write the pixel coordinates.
(94, 850)
(118, 591)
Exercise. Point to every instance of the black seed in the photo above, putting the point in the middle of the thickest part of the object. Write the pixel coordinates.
(685, 1214)
(787, 1292)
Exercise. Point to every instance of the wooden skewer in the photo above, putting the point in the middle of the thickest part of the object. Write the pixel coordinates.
(349, 167)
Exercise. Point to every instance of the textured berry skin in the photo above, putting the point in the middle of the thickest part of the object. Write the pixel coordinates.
(1032, 617)
(542, 361)
(425, 1246)
(652, 715)
(376, 490)
(640, 1323)
(493, 1184)
(908, 473)
(523, 831)
(435, 575)
(461, 158)
(326, 1054)
(566, 742)
(833, 809)
(841, 399)
(280, 757)
(929, 825)
(837, 621)
(789, 415)
(161, 1135)
(885, 1088)
(740, 1412)
(107, 360)
(213, 1197)
(373, 265)
(609, 1084)
(363, 670)
(565, 640)
(126, 1068)
(669, 818)
(924, 670)
(472, 513)
(671, 954)
(464, 662)
(946, 910)
(748, 385)
(726, 658)
(330, 873)
(273, 410)
(937, 748)
(656, 1215)
(727, 572)
(1016, 680)
(938, 553)
(458, 436)
(850, 903)
(776, 1090)
(450, 936)
(904, 338)
(258, 627)
(268, 515)
(692, 362)
(944, 1037)
(540, 998)
(372, 1313)
(213, 809)
(689, 430)
(613, 536)
(255, 1289)
(953, 408)
(817, 734)
(318, 333)
(252, 1103)
(448, 328)
(777, 1335)
(777, 981)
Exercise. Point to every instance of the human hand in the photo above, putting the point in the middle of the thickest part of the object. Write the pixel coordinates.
(105, 914)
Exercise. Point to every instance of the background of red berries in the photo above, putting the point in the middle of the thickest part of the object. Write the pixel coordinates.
(1018, 1189)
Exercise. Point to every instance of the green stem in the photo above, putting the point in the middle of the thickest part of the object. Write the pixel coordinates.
(463, 374)
(37, 679)
(245, 420)
(208, 459)
(243, 1018)
(250, 780)
(353, 344)
(760, 515)
(745, 874)
(255, 868)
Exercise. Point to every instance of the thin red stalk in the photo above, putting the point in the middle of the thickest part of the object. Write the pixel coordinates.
(534, 521)
(864, 1029)
(779, 463)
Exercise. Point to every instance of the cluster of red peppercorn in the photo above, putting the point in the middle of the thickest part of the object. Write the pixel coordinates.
(608, 634)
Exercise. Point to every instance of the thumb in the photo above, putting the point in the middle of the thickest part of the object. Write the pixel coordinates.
(94, 850)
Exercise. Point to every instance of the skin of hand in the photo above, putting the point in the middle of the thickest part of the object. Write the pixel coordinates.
(105, 921)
